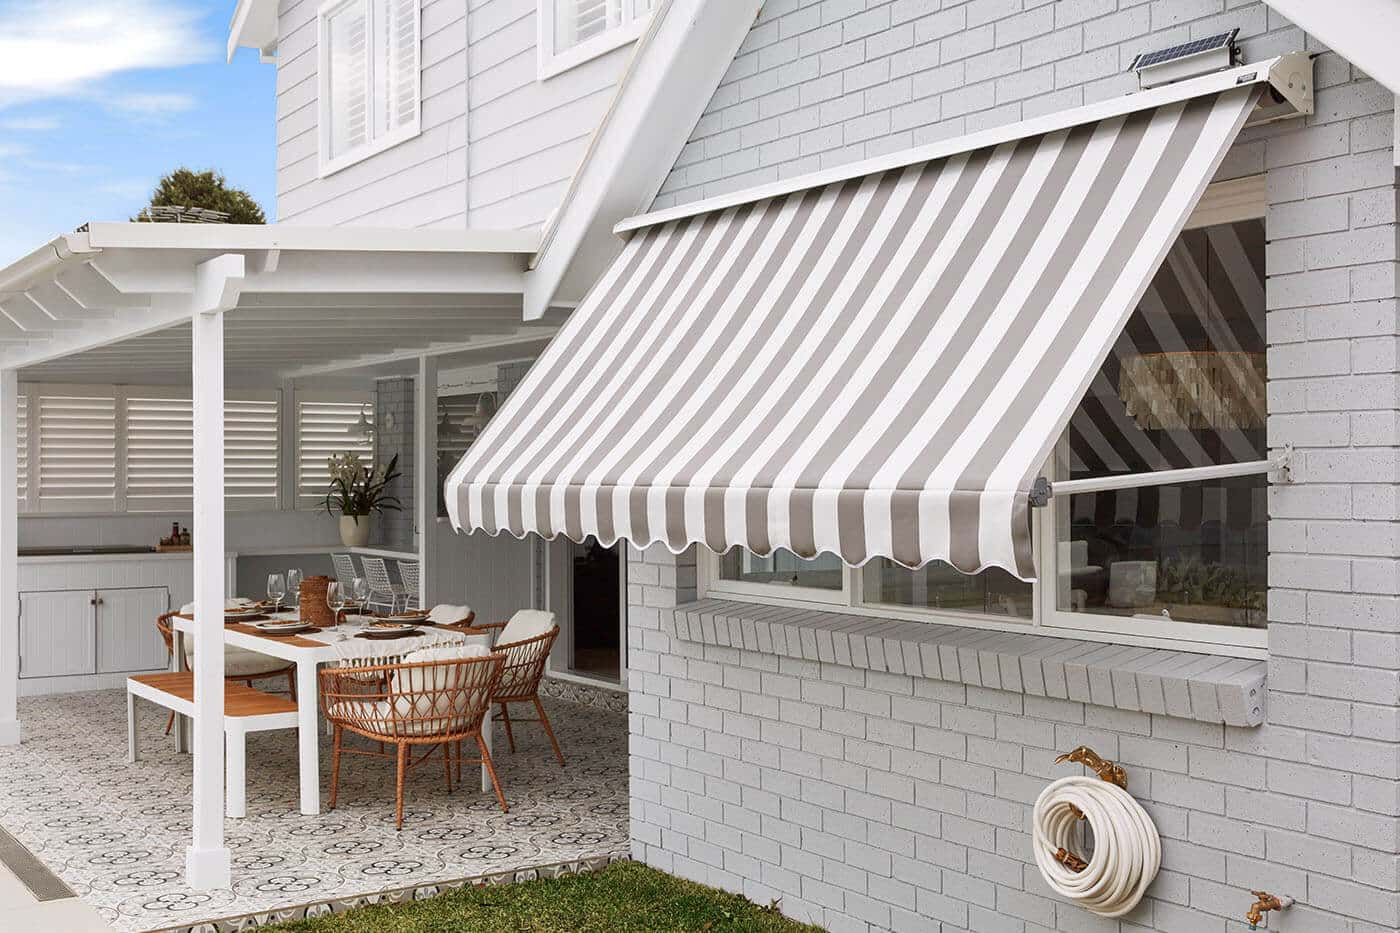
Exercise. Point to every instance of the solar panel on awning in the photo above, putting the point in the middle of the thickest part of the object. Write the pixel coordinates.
(874, 367)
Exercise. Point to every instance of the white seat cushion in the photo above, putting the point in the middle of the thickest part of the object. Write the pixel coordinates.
(238, 661)
(417, 688)
(445, 613)
(236, 602)
(526, 624)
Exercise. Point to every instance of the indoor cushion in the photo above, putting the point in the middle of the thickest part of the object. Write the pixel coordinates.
(526, 624)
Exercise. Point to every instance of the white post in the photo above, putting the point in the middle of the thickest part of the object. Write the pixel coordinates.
(425, 490)
(217, 283)
(9, 560)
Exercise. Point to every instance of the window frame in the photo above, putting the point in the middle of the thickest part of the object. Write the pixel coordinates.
(1223, 202)
(326, 163)
(552, 63)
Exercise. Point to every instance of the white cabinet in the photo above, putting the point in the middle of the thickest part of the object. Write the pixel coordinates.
(56, 634)
(82, 633)
(127, 637)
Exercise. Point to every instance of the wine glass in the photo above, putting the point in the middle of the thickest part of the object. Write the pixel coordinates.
(359, 592)
(276, 589)
(294, 585)
(337, 599)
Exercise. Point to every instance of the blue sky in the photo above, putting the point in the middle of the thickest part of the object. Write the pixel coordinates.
(99, 98)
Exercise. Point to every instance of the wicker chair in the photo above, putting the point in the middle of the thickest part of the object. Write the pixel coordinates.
(248, 665)
(435, 703)
(524, 667)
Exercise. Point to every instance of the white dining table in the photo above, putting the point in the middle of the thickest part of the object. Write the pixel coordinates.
(307, 659)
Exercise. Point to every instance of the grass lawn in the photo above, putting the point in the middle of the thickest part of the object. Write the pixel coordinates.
(623, 898)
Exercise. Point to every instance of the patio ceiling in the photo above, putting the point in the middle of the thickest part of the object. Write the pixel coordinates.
(115, 300)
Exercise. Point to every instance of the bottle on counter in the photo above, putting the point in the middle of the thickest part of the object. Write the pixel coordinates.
(185, 537)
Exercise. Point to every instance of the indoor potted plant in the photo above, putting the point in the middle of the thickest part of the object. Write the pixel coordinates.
(357, 490)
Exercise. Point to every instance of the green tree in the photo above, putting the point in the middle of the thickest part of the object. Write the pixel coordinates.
(208, 190)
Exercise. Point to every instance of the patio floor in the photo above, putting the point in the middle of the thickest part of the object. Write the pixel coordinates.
(116, 833)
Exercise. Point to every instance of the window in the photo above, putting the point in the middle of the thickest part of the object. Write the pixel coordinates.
(460, 420)
(78, 450)
(573, 31)
(325, 427)
(160, 450)
(369, 78)
(1183, 566)
(113, 449)
(1183, 387)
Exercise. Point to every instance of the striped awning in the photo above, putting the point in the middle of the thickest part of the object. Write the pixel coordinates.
(876, 366)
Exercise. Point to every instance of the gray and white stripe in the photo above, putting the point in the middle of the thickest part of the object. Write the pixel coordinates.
(877, 367)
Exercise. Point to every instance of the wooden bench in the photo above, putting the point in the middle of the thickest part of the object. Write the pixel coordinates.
(245, 710)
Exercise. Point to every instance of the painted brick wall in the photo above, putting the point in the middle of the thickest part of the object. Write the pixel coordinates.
(870, 801)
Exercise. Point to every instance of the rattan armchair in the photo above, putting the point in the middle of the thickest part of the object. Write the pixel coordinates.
(524, 668)
(435, 703)
(241, 665)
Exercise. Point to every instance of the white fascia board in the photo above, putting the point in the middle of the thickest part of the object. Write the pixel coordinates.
(292, 237)
(1256, 73)
(43, 263)
(676, 67)
(254, 26)
(1364, 32)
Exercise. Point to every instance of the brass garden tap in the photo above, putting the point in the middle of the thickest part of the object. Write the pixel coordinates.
(1264, 902)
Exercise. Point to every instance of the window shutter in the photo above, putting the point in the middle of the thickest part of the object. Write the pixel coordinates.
(250, 452)
(22, 448)
(579, 20)
(159, 453)
(401, 76)
(323, 429)
(77, 452)
(347, 36)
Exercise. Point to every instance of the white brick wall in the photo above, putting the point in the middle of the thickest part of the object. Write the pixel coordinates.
(872, 801)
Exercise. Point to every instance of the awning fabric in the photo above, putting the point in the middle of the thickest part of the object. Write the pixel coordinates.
(875, 367)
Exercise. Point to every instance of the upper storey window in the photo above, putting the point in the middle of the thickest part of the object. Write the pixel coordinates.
(369, 78)
(573, 31)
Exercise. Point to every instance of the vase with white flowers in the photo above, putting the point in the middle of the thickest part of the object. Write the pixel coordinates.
(356, 491)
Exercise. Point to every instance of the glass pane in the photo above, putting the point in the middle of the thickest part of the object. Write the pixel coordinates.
(939, 586)
(1183, 387)
(782, 568)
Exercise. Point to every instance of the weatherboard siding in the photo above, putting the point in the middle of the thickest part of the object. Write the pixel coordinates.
(418, 183)
(497, 148)
(528, 137)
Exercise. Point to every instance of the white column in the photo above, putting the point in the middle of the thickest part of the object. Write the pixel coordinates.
(425, 491)
(9, 561)
(217, 282)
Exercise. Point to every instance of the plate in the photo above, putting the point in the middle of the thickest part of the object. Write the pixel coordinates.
(383, 629)
(239, 614)
(275, 627)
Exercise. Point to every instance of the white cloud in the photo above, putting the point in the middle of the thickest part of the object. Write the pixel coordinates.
(53, 48)
(152, 105)
(29, 124)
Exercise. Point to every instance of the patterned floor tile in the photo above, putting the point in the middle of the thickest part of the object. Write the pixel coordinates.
(116, 832)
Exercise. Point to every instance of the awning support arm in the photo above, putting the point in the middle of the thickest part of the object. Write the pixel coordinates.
(1043, 490)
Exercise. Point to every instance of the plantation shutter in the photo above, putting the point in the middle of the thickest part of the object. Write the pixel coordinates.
(77, 452)
(577, 21)
(22, 449)
(159, 453)
(323, 430)
(400, 82)
(251, 438)
(347, 78)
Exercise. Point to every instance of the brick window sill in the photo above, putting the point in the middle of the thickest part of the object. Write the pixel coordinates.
(1207, 688)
